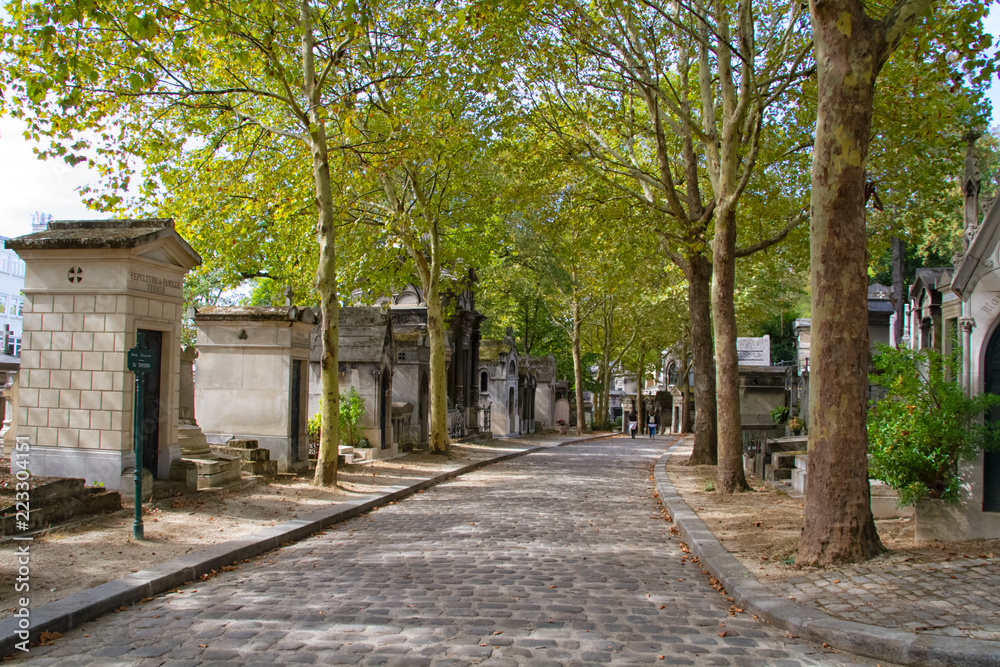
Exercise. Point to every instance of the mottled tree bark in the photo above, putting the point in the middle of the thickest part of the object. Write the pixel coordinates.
(578, 363)
(705, 414)
(729, 473)
(850, 50)
(326, 271)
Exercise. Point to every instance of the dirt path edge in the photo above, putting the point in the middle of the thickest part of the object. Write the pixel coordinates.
(812, 624)
(74, 610)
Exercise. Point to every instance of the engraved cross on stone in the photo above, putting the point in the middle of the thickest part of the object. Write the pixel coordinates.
(75, 274)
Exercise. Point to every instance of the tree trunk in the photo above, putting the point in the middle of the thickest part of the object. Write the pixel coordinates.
(699, 277)
(898, 260)
(640, 406)
(438, 436)
(685, 425)
(326, 270)
(838, 525)
(729, 474)
(578, 364)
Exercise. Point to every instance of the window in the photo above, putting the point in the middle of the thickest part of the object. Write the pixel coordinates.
(3, 304)
(20, 307)
(484, 382)
(17, 347)
(5, 262)
(18, 268)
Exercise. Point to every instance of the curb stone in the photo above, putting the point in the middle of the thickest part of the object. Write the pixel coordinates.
(74, 610)
(888, 644)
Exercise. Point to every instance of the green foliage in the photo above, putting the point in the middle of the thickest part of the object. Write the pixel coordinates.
(780, 414)
(926, 425)
(352, 409)
(315, 426)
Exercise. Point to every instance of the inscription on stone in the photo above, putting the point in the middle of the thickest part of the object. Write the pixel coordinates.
(991, 306)
(754, 351)
(300, 339)
(154, 284)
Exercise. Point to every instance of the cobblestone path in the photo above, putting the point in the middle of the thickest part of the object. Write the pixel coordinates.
(557, 558)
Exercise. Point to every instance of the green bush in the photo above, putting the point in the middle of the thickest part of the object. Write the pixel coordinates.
(780, 414)
(352, 409)
(926, 425)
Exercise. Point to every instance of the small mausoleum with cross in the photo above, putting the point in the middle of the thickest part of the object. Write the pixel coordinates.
(93, 290)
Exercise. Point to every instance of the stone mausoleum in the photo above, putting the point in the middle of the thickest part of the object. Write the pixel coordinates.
(252, 379)
(93, 290)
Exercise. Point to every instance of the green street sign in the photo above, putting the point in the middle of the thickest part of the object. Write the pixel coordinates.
(140, 361)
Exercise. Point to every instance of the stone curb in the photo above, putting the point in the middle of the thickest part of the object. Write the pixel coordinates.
(888, 644)
(74, 610)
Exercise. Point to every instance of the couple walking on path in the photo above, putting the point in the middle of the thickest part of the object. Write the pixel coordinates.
(633, 423)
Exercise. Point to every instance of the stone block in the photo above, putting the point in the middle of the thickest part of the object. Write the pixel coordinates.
(62, 303)
(104, 342)
(93, 361)
(112, 440)
(58, 418)
(90, 399)
(68, 437)
(101, 381)
(80, 419)
(50, 359)
(62, 341)
(37, 379)
(36, 417)
(773, 474)
(90, 439)
(69, 398)
(59, 379)
(155, 309)
(39, 303)
(83, 341)
(52, 322)
(105, 303)
(72, 361)
(100, 421)
(111, 400)
(127, 486)
(93, 323)
(84, 303)
(113, 361)
(73, 322)
(48, 398)
(80, 380)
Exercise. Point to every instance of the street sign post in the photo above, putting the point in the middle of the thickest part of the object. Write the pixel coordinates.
(140, 362)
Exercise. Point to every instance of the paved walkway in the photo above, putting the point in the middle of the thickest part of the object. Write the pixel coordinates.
(557, 558)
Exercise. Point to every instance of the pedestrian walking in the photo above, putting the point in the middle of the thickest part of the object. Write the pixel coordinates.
(633, 422)
(652, 424)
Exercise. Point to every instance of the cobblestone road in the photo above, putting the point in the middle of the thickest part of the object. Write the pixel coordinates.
(557, 558)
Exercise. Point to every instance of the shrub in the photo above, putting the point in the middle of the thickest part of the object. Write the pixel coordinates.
(780, 414)
(352, 409)
(926, 425)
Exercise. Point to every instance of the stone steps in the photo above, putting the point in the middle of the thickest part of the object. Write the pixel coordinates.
(254, 460)
(59, 501)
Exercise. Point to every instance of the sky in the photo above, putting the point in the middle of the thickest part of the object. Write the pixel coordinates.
(50, 186)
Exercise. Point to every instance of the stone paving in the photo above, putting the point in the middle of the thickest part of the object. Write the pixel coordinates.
(955, 598)
(557, 558)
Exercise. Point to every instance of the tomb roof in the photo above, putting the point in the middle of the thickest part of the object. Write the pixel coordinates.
(255, 313)
(125, 233)
(490, 349)
(365, 335)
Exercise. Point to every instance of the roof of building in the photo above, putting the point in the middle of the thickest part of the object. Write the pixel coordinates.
(365, 333)
(490, 349)
(255, 314)
(126, 233)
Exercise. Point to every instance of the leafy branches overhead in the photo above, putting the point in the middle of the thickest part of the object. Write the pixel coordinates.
(925, 426)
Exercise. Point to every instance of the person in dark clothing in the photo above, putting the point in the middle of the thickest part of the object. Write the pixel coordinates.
(633, 422)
